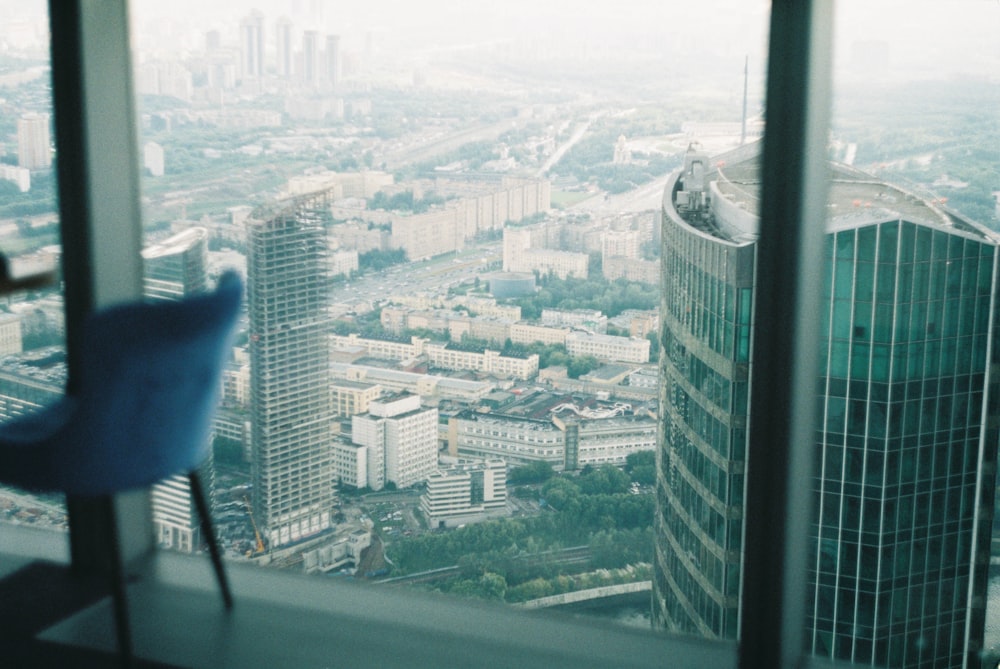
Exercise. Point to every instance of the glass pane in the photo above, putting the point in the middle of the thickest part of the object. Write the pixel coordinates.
(448, 220)
(32, 333)
(907, 113)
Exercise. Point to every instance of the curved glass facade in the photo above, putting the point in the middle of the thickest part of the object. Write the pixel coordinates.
(908, 403)
(706, 306)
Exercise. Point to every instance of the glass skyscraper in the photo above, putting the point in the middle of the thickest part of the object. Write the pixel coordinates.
(907, 445)
(173, 268)
(291, 403)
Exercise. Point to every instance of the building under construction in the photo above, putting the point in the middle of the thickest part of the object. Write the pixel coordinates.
(292, 412)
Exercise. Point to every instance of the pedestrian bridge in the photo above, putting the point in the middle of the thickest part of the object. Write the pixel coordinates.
(577, 596)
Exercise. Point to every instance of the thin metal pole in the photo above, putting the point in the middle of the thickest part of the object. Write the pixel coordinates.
(785, 348)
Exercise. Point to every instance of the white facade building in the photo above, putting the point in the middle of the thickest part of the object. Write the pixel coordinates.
(401, 438)
(607, 347)
(465, 492)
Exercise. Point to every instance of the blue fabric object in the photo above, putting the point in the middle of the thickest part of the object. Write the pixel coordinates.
(148, 385)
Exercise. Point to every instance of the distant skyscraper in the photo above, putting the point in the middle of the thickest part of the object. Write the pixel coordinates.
(310, 57)
(33, 142)
(283, 42)
(333, 60)
(174, 268)
(291, 405)
(213, 40)
(906, 450)
(252, 45)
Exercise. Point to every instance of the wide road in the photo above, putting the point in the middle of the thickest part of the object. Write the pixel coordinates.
(645, 197)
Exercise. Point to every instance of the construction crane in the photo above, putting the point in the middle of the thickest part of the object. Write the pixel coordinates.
(260, 542)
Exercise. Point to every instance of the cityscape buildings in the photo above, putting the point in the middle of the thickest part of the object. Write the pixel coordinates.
(291, 405)
(907, 443)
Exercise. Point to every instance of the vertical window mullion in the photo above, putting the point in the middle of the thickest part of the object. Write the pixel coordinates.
(785, 346)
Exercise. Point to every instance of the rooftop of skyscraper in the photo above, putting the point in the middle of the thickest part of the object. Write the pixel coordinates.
(856, 198)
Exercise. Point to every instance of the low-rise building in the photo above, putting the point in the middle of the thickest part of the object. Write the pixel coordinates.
(608, 347)
(353, 397)
(487, 362)
(569, 437)
(528, 333)
(465, 492)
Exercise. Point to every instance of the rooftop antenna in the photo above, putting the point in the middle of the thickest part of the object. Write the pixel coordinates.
(743, 126)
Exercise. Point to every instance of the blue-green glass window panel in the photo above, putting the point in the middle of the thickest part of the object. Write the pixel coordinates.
(956, 247)
(982, 314)
(907, 239)
(939, 246)
(932, 357)
(888, 239)
(922, 248)
(935, 309)
(839, 358)
(901, 317)
(860, 360)
(978, 351)
(866, 243)
(986, 269)
(746, 306)
(880, 362)
(967, 314)
(886, 283)
(899, 353)
(843, 280)
(862, 320)
(842, 319)
(970, 270)
(915, 360)
(921, 280)
(969, 355)
(836, 408)
(864, 281)
(845, 245)
(953, 277)
(949, 354)
(952, 317)
(885, 318)
(905, 282)
(938, 274)
(918, 321)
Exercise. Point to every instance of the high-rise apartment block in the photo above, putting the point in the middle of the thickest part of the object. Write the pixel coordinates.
(906, 447)
(34, 142)
(291, 408)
